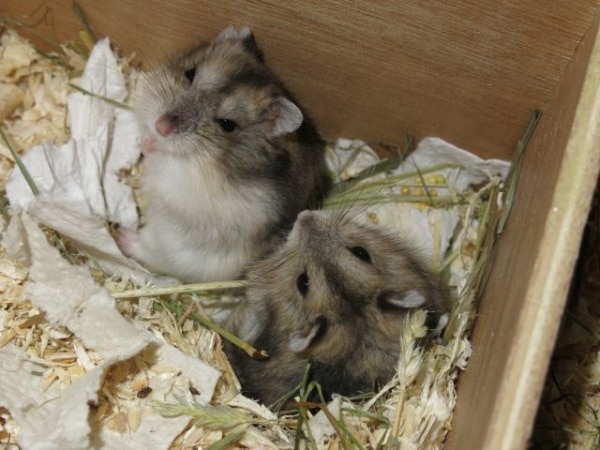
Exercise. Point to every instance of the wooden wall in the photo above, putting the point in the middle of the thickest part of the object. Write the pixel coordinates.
(469, 71)
(522, 306)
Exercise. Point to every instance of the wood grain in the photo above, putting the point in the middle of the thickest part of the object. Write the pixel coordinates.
(469, 71)
(522, 306)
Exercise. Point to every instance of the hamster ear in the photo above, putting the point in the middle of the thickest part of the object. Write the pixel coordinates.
(401, 299)
(252, 328)
(244, 35)
(287, 116)
(232, 33)
(300, 341)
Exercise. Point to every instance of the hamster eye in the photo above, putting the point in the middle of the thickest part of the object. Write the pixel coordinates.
(190, 74)
(360, 253)
(302, 283)
(227, 125)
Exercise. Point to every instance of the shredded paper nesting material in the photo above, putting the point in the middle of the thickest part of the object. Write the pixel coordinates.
(80, 369)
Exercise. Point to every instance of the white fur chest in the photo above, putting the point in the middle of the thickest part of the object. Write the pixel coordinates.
(201, 196)
(199, 226)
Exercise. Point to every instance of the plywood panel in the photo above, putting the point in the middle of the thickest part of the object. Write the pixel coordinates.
(524, 301)
(469, 71)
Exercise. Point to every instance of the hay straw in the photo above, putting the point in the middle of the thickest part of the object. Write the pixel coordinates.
(87, 35)
(366, 191)
(20, 164)
(251, 351)
(409, 363)
(386, 165)
(179, 289)
(512, 178)
(108, 100)
(210, 416)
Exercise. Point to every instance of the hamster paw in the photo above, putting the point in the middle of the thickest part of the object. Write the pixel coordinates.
(439, 329)
(128, 241)
(148, 145)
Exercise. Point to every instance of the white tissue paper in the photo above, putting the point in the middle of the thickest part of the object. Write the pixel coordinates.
(429, 229)
(79, 187)
(79, 192)
(320, 425)
(47, 420)
(69, 297)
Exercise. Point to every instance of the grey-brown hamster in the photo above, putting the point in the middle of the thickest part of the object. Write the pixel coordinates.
(229, 161)
(336, 293)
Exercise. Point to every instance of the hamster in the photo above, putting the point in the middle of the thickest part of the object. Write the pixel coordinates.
(336, 293)
(230, 159)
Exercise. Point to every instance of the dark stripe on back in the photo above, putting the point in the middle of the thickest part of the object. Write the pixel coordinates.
(253, 76)
(251, 47)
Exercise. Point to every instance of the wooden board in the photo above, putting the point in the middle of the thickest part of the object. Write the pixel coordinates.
(469, 71)
(522, 306)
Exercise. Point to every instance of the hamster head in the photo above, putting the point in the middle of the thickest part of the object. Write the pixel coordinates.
(218, 103)
(347, 289)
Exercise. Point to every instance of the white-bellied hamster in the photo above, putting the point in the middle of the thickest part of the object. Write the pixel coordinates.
(335, 293)
(229, 161)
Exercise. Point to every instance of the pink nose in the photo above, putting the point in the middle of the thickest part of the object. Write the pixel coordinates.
(166, 124)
